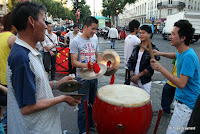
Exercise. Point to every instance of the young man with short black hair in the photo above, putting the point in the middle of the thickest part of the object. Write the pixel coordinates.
(139, 62)
(84, 49)
(188, 76)
(130, 42)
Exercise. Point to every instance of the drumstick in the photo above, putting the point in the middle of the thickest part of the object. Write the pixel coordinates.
(150, 47)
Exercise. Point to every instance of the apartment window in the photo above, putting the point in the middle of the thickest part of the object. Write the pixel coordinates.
(169, 11)
(1, 7)
(188, 6)
(170, 1)
(191, 7)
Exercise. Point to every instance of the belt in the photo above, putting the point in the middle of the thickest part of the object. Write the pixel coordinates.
(179, 101)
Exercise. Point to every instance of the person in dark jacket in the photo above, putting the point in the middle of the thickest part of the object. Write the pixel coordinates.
(139, 62)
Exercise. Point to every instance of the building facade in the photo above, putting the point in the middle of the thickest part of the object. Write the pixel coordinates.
(3, 9)
(155, 11)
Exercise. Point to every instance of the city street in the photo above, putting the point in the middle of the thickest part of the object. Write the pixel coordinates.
(69, 116)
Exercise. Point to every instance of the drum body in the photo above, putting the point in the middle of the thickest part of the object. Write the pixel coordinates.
(112, 114)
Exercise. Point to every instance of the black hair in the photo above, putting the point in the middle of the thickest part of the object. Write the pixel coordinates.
(23, 10)
(185, 29)
(7, 22)
(47, 22)
(89, 20)
(133, 24)
(146, 28)
(75, 25)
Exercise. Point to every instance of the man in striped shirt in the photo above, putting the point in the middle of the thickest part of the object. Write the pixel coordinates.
(32, 108)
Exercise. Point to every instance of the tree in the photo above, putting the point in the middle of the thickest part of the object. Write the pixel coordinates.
(11, 4)
(110, 7)
(55, 8)
(85, 11)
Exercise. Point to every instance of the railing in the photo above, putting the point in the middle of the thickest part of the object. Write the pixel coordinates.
(174, 4)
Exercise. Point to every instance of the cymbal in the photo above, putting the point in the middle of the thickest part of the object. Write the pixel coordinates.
(89, 74)
(75, 95)
(70, 86)
(113, 57)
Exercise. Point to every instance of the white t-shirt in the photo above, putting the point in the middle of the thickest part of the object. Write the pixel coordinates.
(48, 42)
(85, 48)
(71, 36)
(130, 42)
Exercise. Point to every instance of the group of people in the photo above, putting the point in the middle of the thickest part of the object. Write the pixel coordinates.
(183, 82)
(32, 108)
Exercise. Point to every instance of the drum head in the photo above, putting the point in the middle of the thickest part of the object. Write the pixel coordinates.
(123, 95)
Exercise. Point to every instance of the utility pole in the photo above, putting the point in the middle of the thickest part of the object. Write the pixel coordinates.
(94, 7)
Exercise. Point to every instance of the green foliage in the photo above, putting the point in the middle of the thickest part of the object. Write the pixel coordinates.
(55, 8)
(11, 4)
(85, 11)
(110, 7)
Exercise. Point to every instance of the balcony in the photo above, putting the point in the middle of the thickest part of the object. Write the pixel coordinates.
(175, 4)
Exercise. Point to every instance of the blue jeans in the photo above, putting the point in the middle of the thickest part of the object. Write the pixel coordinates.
(89, 87)
(167, 97)
(112, 43)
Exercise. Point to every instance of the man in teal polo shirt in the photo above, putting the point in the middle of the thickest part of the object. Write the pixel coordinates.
(188, 76)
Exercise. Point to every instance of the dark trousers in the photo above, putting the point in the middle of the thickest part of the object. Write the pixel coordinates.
(89, 88)
(194, 121)
(50, 60)
(167, 97)
(72, 70)
(127, 77)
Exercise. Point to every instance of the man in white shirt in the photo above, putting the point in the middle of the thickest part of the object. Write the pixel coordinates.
(113, 35)
(72, 35)
(50, 42)
(130, 41)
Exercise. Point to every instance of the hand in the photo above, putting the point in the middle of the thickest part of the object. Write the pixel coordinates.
(47, 48)
(65, 44)
(156, 52)
(52, 53)
(135, 79)
(65, 79)
(71, 101)
(155, 65)
(91, 64)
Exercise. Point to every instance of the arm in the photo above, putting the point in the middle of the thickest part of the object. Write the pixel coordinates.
(76, 63)
(179, 82)
(4, 89)
(97, 55)
(167, 55)
(64, 79)
(11, 40)
(46, 103)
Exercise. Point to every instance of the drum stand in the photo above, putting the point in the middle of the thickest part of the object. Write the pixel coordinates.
(86, 115)
(158, 121)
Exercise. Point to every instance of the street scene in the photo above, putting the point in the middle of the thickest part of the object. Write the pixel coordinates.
(69, 116)
(100, 66)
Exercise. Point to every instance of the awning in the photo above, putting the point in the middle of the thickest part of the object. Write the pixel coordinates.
(102, 17)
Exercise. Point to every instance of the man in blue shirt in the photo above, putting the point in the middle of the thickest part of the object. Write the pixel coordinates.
(32, 107)
(188, 76)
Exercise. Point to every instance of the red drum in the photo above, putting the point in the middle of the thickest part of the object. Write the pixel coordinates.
(122, 109)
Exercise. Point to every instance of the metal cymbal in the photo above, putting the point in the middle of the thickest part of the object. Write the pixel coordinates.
(89, 74)
(70, 86)
(75, 95)
(113, 57)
